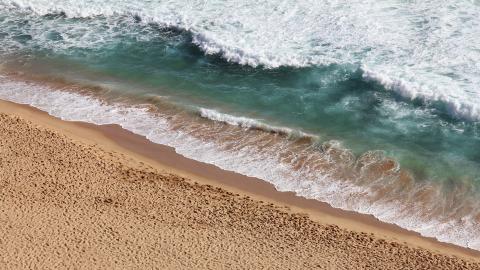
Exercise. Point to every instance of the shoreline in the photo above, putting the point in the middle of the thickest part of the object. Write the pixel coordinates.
(164, 158)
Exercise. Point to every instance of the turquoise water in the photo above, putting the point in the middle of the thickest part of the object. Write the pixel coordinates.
(333, 102)
(345, 93)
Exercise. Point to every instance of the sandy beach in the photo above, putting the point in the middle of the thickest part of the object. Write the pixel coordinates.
(75, 195)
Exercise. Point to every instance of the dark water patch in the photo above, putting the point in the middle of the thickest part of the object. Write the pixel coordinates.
(22, 38)
(55, 16)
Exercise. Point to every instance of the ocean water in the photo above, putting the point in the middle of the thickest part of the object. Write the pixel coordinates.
(370, 106)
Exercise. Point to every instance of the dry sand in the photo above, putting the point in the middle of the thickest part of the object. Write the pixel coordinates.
(72, 198)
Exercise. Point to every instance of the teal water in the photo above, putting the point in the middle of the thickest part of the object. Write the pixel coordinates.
(434, 138)
(333, 102)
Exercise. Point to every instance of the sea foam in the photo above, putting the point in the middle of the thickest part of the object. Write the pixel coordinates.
(427, 50)
(250, 123)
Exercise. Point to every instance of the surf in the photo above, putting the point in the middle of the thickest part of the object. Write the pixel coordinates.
(414, 49)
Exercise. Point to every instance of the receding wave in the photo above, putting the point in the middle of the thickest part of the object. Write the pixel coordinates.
(370, 183)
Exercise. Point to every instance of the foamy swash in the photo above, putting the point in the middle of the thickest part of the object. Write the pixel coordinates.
(426, 50)
(370, 183)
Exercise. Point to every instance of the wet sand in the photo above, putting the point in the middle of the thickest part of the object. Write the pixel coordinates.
(75, 195)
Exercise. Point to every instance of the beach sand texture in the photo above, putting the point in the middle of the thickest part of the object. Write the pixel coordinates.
(66, 203)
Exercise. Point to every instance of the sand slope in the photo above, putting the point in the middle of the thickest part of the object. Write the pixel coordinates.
(67, 204)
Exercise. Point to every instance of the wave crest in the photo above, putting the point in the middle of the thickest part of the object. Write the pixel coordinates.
(456, 106)
(419, 50)
(251, 123)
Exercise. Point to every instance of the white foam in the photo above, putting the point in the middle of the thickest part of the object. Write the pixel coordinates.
(249, 123)
(426, 49)
(460, 106)
(249, 161)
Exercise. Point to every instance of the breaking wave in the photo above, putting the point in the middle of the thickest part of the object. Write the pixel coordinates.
(251, 123)
(426, 50)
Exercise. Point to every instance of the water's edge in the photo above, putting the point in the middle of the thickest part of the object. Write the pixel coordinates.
(257, 187)
(245, 160)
